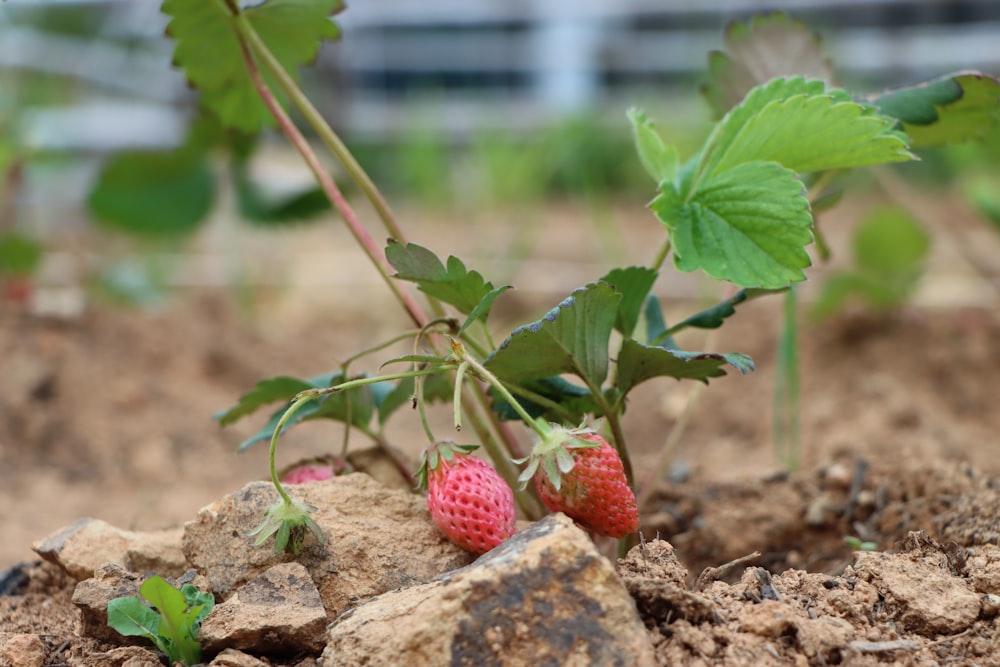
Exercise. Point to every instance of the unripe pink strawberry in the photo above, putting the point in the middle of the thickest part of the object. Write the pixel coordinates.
(579, 474)
(470, 503)
(314, 470)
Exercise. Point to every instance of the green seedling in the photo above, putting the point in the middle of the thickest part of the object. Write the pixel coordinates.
(171, 623)
(858, 544)
(889, 253)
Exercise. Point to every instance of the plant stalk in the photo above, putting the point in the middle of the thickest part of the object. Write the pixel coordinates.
(322, 129)
(368, 245)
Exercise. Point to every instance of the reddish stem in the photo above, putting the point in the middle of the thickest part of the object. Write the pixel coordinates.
(371, 249)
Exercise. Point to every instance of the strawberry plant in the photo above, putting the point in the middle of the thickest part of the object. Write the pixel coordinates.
(739, 209)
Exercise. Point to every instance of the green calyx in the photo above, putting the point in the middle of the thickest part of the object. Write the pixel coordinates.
(288, 522)
(431, 458)
(551, 452)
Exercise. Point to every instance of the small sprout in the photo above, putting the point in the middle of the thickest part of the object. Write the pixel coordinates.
(171, 623)
(858, 545)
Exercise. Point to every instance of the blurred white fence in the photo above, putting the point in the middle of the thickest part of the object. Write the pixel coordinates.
(517, 63)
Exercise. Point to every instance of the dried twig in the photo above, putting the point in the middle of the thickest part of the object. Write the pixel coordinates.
(710, 574)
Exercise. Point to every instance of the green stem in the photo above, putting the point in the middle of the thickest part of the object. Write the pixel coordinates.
(381, 346)
(321, 127)
(614, 422)
(495, 382)
(296, 405)
(360, 382)
(661, 255)
(786, 389)
(456, 402)
(504, 466)
(243, 30)
(543, 401)
(251, 41)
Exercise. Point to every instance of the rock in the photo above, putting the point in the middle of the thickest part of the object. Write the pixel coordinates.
(124, 656)
(546, 596)
(279, 611)
(377, 539)
(23, 650)
(984, 568)
(920, 591)
(90, 543)
(233, 658)
(656, 580)
(92, 595)
(374, 462)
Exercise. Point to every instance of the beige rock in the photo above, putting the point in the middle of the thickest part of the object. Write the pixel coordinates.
(23, 650)
(124, 656)
(233, 658)
(89, 543)
(279, 611)
(546, 596)
(919, 593)
(92, 595)
(657, 582)
(377, 539)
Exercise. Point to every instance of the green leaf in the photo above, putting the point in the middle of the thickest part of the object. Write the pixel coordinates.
(19, 255)
(200, 604)
(713, 318)
(766, 47)
(889, 242)
(889, 251)
(638, 363)
(633, 283)
(454, 284)
(841, 288)
(399, 395)
(658, 158)
(984, 195)
(355, 405)
(748, 225)
(130, 617)
(571, 338)
(803, 126)
(575, 401)
(281, 388)
(482, 309)
(259, 206)
(154, 193)
(208, 49)
(656, 326)
(175, 622)
(950, 109)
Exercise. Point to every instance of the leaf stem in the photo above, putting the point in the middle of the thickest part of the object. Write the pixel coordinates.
(297, 403)
(322, 129)
(375, 379)
(661, 255)
(480, 370)
(243, 32)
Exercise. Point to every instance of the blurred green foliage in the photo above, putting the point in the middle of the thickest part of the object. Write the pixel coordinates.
(889, 249)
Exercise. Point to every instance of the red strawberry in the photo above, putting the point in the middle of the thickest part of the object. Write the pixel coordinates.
(467, 498)
(314, 470)
(579, 474)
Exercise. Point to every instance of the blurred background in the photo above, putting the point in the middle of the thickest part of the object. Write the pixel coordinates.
(454, 105)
